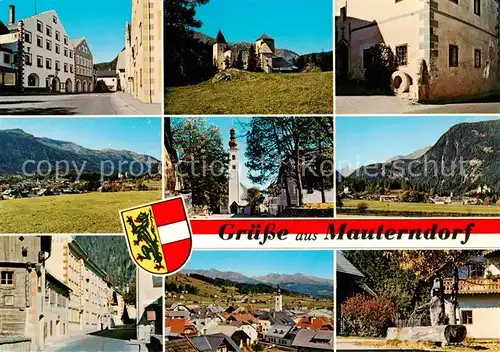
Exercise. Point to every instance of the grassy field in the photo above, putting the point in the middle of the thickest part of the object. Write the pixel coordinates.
(256, 93)
(76, 213)
(424, 207)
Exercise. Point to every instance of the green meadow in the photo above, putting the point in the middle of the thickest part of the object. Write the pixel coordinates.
(423, 207)
(76, 213)
(255, 93)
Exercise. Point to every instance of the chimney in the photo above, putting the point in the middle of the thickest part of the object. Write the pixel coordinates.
(12, 14)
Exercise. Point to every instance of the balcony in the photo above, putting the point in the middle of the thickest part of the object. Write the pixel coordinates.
(473, 286)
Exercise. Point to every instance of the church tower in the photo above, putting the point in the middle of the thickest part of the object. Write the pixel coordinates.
(278, 300)
(234, 174)
(219, 48)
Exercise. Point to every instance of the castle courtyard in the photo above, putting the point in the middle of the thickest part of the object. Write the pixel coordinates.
(384, 104)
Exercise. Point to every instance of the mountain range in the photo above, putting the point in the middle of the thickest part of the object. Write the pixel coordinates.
(19, 147)
(245, 46)
(346, 171)
(299, 283)
(463, 158)
(412, 156)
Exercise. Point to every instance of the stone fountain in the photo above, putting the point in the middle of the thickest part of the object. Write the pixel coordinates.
(440, 331)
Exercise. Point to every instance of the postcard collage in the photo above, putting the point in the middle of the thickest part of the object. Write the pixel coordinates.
(251, 175)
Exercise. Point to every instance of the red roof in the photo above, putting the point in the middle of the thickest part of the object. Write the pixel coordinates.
(314, 323)
(181, 326)
(246, 318)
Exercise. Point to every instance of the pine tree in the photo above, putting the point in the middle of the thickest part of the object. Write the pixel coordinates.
(239, 62)
(187, 60)
(252, 59)
(314, 59)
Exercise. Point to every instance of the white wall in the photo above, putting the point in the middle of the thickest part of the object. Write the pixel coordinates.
(234, 177)
(396, 24)
(111, 82)
(30, 24)
(465, 79)
(485, 315)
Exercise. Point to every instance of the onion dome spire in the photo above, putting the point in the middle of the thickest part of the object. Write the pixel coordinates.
(233, 144)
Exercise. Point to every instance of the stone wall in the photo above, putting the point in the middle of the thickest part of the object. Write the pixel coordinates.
(456, 24)
(13, 303)
(15, 344)
(428, 28)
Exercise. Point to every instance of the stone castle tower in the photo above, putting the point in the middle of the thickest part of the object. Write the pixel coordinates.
(278, 300)
(219, 48)
(264, 47)
(234, 174)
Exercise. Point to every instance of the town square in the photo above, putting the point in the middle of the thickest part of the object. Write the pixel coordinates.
(52, 65)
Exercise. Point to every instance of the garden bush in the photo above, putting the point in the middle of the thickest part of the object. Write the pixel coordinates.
(368, 316)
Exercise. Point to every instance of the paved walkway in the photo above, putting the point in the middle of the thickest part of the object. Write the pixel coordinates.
(375, 104)
(352, 345)
(128, 104)
(382, 104)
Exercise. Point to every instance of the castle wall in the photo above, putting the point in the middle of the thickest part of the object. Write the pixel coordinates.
(382, 22)
(457, 24)
(427, 29)
(218, 55)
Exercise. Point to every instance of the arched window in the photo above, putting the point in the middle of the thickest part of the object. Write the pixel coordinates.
(33, 80)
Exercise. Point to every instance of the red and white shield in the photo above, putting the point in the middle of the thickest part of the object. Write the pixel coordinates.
(175, 232)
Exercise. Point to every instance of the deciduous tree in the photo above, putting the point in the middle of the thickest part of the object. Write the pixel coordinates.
(426, 264)
(202, 162)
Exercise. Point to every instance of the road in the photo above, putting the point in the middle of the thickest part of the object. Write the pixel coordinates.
(379, 104)
(91, 343)
(108, 340)
(77, 104)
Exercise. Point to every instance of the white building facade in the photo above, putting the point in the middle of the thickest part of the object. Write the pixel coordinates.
(49, 56)
(479, 297)
(443, 49)
(277, 202)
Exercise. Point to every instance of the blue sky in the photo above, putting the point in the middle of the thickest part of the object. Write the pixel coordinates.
(140, 135)
(101, 22)
(225, 124)
(258, 263)
(365, 140)
(297, 25)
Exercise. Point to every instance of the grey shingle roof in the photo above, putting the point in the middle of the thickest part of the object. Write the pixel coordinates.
(212, 342)
(317, 339)
(346, 267)
(201, 343)
(220, 38)
(264, 36)
(279, 331)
